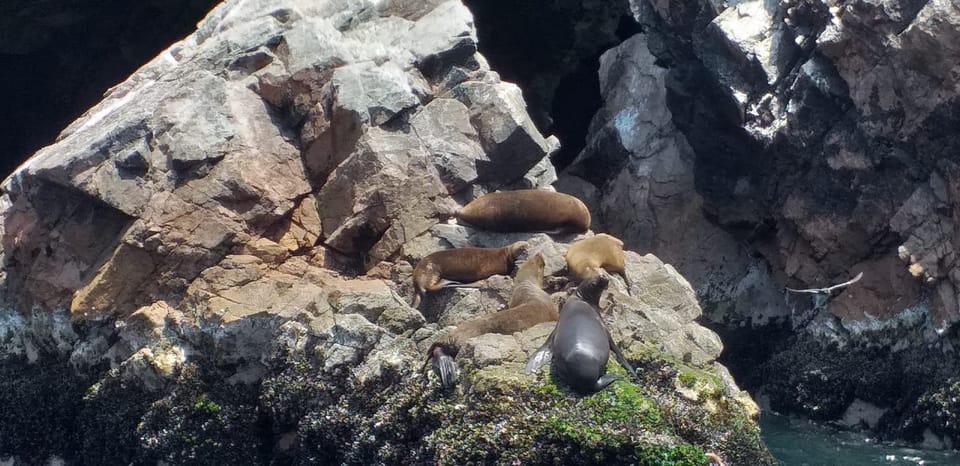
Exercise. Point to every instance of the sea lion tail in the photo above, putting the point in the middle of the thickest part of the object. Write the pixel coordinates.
(444, 366)
(606, 380)
(440, 358)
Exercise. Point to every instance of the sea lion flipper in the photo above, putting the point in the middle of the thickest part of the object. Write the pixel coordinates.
(542, 356)
(440, 357)
(443, 364)
(620, 357)
(455, 284)
(539, 359)
(607, 379)
(626, 281)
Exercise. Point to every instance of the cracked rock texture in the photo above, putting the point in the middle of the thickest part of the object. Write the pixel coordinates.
(757, 145)
(213, 264)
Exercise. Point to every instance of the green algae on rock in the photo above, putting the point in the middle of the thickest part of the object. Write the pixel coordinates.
(304, 413)
(232, 292)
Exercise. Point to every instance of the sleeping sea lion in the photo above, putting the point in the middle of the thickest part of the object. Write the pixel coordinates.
(589, 255)
(529, 305)
(527, 210)
(580, 344)
(462, 267)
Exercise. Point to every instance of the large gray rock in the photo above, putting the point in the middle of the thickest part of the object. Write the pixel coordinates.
(811, 131)
(762, 144)
(643, 168)
(196, 153)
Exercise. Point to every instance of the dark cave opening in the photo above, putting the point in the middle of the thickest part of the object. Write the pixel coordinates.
(58, 58)
(551, 49)
(575, 102)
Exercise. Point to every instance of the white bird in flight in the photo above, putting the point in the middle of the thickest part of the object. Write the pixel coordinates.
(829, 289)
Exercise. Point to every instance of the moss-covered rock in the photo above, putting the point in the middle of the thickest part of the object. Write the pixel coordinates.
(915, 387)
(305, 413)
(499, 415)
(202, 422)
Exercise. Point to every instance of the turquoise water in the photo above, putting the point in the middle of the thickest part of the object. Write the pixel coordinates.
(797, 442)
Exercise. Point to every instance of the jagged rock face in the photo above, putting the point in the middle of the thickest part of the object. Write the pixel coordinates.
(639, 170)
(49, 84)
(199, 152)
(813, 134)
(239, 213)
(758, 145)
(550, 49)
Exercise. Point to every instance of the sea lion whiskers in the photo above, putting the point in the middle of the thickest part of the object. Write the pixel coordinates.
(591, 289)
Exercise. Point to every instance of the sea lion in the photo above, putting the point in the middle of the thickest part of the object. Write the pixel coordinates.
(462, 267)
(581, 342)
(527, 210)
(529, 305)
(714, 459)
(589, 255)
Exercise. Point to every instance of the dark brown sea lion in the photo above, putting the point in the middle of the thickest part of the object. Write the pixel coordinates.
(580, 344)
(527, 210)
(462, 267)
(588, 256)
(529, 305)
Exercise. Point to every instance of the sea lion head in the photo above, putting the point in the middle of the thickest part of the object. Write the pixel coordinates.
(538, 262)
(532, 270)
(592, 287)
(518, 248)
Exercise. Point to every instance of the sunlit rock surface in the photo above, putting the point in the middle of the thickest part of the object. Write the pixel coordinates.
(213, 264)
(759, 145)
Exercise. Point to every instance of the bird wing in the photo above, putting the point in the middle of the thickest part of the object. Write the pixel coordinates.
(810, 290)
(828, 290)
(846, 283)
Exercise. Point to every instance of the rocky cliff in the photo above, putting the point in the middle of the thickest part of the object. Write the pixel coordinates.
(56, 59)
(213, 264)
(752, 145)
(761, 145)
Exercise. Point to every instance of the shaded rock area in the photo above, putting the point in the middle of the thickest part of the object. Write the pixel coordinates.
(57, 59)
(213, 265)
(758, 145)
(551, 50)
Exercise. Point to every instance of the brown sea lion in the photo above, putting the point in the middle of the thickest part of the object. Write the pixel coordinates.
(715, 459)
(462, 267)
(527, 210)
(588, 256)
(529, 305)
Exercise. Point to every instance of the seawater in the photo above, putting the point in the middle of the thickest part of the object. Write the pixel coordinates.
(800, 442)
